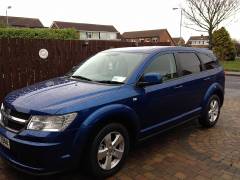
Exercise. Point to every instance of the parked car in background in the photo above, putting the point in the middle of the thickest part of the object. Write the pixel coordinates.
(112, 100)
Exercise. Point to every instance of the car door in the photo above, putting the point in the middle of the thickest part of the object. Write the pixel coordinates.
(193, 81)
(209, 63)
(161, 102)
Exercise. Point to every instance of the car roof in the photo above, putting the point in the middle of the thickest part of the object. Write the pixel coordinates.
(157, 49)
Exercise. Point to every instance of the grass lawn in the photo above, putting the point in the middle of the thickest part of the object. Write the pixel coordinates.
(231, 65)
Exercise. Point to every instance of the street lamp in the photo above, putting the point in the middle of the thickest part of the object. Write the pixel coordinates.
(180, 21)
(9, 7)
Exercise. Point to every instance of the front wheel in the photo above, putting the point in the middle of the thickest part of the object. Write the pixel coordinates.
(211, 113)
(108, 150)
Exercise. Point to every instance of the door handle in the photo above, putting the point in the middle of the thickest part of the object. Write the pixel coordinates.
(207, 79)
(178, 87)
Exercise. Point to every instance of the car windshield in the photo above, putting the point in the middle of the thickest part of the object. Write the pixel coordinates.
(109, 67)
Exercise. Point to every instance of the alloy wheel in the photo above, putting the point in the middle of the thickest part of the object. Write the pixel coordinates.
(110, 151)
(213, 110)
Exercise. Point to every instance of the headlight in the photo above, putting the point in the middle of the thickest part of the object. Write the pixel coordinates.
(51, 123)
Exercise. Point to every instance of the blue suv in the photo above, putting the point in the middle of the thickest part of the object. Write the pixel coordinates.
(93, 114)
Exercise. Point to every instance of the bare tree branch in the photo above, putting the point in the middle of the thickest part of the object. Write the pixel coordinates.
(207, 15)
(199, 30)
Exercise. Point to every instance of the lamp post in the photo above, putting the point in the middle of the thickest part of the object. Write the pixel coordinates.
(9, 7)
(180, 21)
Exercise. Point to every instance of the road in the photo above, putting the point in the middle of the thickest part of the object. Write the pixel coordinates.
(232, 86)
(186, 152)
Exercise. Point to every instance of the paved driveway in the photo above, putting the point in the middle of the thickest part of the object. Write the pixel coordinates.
(186, 152)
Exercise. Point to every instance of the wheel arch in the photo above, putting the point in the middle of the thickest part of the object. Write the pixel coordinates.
(116, 113)
(217, 89)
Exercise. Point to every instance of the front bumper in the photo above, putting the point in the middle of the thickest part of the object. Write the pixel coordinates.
(36, 156)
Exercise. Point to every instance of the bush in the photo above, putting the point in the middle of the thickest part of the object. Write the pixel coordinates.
(223, 46)
(27, 33)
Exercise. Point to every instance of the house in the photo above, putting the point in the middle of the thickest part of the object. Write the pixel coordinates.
(157, 35)
(90, 31)
(198, 41)
(179, 41)
(21, 22)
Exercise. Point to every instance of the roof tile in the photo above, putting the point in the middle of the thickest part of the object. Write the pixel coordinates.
(22, 22)
(86, 27)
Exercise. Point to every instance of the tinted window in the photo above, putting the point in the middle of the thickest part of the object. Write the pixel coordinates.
(165, 65)
(189, 62)
(208, 61)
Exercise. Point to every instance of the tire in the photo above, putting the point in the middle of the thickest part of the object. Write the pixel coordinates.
(211, 113)
(113, 155)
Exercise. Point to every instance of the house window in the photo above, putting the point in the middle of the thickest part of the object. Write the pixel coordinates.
(147, 40)
(95, 35)
(103, 35)
(83, 35)
(108, 36)
(112, 36)
(155, 39)
(89, 35)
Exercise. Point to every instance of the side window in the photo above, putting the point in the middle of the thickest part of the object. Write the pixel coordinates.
(190, 63)
(165, 65)
(208, 61)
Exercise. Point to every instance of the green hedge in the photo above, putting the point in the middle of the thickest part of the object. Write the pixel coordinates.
(27, 33)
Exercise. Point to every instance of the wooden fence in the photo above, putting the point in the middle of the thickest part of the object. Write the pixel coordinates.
(20, 64)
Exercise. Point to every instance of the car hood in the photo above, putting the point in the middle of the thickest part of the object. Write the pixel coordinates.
(50, 96)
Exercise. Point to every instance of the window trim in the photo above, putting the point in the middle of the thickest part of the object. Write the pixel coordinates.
(180, 66)
(152, 59)
(203, 66)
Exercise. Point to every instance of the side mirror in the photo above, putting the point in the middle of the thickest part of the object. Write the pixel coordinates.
(150, 79)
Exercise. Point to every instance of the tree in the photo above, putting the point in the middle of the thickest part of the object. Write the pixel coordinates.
(237, 46)
(207, 15)
(223, 45)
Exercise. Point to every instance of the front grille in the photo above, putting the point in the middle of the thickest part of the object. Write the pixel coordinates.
(19, 115)
(14, 121)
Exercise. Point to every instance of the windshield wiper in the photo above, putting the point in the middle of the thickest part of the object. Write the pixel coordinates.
(110, 82)
(81, 77)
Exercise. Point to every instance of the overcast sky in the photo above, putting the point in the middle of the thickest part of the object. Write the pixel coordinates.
(125, 15)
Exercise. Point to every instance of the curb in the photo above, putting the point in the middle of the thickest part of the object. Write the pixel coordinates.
(230, 73)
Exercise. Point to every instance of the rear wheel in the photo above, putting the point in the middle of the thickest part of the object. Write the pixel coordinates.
(211, 113)
(108, 150)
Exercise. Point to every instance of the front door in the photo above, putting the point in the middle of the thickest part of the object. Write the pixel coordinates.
(162, 102)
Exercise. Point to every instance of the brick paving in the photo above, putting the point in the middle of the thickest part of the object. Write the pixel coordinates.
(186, 152)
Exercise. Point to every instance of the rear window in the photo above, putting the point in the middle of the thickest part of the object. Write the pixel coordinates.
(208, 61)
(190, 63)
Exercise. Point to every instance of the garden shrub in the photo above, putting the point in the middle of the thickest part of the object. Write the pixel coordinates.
(39, 33)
